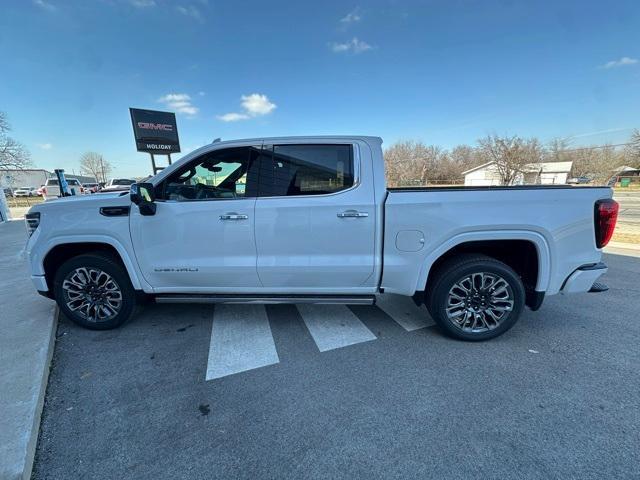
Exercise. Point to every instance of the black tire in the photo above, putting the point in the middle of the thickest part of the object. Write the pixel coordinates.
(460, 269)
(95, 262)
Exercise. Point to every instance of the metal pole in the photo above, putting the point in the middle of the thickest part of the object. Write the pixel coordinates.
(102, 168)
(169, 155)
(153, 163)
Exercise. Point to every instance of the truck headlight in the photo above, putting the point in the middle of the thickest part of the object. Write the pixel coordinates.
(32, 220)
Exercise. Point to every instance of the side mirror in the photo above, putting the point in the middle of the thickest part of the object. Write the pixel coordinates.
(143, 195)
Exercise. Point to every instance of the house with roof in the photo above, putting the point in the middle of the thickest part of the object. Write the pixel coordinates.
(543, 173)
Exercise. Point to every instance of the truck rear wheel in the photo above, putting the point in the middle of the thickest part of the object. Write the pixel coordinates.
(475, 297)
(94, 291)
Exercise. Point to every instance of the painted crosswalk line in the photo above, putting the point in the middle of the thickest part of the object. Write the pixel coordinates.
(241, 340)
(404, 311)
(334, 326)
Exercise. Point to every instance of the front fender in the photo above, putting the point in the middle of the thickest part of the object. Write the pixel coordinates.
(38, 254)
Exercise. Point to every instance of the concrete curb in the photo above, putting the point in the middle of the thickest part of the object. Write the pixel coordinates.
(28, 325)
(30, 453)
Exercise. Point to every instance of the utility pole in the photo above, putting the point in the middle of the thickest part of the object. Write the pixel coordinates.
(102, 168)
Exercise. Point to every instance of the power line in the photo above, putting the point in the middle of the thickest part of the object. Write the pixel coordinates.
(596, 146)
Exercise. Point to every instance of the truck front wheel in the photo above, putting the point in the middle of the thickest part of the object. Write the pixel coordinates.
(94, 291)
(475, 297)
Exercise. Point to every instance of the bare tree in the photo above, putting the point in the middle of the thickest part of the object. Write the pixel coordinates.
(598, 163)
(465, 157)
(94, 164)
(400, 161)
(632, 152)
(557, 151)
(410, 162)
(513, 156)
(13, 155)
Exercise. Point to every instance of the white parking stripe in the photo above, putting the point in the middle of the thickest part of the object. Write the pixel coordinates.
(241, 340)
(404, 311)
(334, 326)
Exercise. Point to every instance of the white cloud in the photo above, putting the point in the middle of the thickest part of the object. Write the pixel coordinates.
(354, 46)
(352, 17)
(233, 117)
(201, 93)
(180, 102)
(143, 3)
(190, 11)
(624, 61)
(50, 7)
(45, 146)
(254, 105)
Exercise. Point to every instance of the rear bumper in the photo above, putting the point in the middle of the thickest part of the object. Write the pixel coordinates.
(583, 278)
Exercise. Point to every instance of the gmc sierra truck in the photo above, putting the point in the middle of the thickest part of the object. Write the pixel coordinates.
(310, 220)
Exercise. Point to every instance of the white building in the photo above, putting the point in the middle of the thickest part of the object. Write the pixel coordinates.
(545, 173)
(30, 177)
(34, 177)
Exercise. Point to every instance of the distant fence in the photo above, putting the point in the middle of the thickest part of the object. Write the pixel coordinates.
(429, 183)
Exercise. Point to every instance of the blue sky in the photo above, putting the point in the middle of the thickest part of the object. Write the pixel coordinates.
(445, 72)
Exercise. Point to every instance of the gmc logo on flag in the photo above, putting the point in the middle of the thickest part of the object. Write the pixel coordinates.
(156, 126)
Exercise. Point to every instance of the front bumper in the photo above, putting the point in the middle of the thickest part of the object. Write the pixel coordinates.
(582, 279)
(40, 283)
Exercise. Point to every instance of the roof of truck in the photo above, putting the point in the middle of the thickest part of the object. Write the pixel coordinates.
(365, 138)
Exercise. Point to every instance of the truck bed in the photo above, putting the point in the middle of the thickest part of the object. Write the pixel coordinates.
(557, 220)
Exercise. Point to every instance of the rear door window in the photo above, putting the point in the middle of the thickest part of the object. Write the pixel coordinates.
(294, 170)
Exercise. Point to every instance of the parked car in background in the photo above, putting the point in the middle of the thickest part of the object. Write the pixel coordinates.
(118, 184)
(26, 192)
(91, 187)
(51, 189)
(8, 192)
(579, 180)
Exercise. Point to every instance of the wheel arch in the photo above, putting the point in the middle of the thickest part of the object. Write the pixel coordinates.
(62, 251)
(488, 242)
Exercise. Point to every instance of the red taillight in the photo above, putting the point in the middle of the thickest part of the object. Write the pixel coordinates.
(606, 214)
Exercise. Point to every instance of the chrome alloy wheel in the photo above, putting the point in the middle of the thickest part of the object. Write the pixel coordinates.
(478, 302)
(92, 294)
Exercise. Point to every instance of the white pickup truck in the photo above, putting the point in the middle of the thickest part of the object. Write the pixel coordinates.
(309, 220)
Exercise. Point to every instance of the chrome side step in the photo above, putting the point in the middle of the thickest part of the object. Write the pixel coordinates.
(267, 299)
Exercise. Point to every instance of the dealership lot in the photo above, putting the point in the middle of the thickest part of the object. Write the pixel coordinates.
(284, 391)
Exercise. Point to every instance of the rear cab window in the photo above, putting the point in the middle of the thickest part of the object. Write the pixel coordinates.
(305, 169)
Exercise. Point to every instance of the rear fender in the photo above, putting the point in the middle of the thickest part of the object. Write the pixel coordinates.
(541, 244)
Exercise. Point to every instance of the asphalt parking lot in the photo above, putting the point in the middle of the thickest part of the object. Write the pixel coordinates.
(284, 391)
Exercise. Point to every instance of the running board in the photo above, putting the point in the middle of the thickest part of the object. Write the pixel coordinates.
(267, 299)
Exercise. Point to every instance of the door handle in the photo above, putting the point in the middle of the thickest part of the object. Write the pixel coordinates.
(352, 214)
(233, 216)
